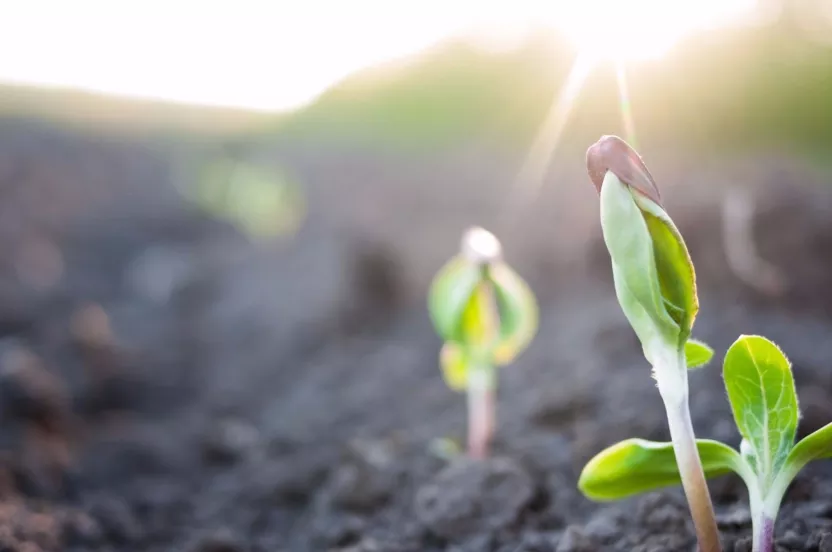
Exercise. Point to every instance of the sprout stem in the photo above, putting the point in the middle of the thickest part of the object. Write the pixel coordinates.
(482, 376)
(763, 539)
(481, 413)
(672, 381)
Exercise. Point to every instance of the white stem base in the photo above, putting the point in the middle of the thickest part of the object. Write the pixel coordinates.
(693, 477)
(481, 415)
(672, 380)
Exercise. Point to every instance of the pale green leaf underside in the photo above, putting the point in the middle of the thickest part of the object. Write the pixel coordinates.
(677, 278)
(634, 267)
(638, 466)
(449, 294)
(761, 390)
(518, 313)
(697, 353)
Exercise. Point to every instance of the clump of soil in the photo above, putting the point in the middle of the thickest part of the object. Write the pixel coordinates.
(168, 385)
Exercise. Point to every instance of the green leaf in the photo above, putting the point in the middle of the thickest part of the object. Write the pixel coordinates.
(697, 353)
(454, 364)
(518, 313)
(677, 279)
(760, 387)
(449, 295)
(815, 446)
(637, 285)
(479, 322)
(262, 202)
(638, 466)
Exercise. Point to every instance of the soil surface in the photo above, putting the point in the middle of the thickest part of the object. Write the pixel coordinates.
(167, 384)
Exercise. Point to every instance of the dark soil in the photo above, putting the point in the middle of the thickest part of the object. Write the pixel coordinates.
(166, 384)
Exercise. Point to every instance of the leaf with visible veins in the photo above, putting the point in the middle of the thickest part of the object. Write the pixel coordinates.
(761, 390)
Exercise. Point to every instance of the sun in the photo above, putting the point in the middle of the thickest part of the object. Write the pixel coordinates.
(628, 30)
(617, 31)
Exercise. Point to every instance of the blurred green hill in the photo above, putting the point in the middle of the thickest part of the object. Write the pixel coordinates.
(102, 112)
(766, 86)
(757, 87)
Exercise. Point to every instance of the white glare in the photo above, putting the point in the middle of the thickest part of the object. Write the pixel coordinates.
(480, 246)
(530, 176)
(279, 54)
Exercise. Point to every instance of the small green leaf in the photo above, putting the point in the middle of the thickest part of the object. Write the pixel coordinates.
(449, 295)
(454, 366)
(760, 387)
(815, 446)
(630, 245)
(637, 466)
(264, 202)
(518, 313)
(697, 353)
(445, 448)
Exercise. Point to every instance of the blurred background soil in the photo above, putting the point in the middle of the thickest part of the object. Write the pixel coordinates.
(168, 383)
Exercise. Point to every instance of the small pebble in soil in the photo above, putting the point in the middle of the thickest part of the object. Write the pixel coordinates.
(560, 409)
(221, 541)
(575, 540)
(228, 440)
(90, 327)
(742, 545)
(365, 545)
(8, 484)
(664, 512)
(791, 540)
(543, 453)
(158, 272)
(117, 521)
(472, 497)
(825, 544)
(338, 531)
(366, 478)
(290, 478)
(29, 392)
(818, 509)
(80, 529)
(475, 544)
(376, 285)
(738, 516)
(535, 541)
(728, 490)
(36, 413)
(17, 313)
(603, 528)
(111, 383)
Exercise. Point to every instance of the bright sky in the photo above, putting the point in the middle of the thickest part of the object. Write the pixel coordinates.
(278, 54)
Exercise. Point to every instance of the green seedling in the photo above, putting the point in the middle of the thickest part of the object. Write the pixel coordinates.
(656, 287)
(487, 315)
(761, 391)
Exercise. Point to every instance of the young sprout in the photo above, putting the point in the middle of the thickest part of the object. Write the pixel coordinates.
(487, 315)
(761, 391)
(656, 287)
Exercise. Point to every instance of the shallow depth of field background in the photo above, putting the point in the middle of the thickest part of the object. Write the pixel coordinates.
(218, 224)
